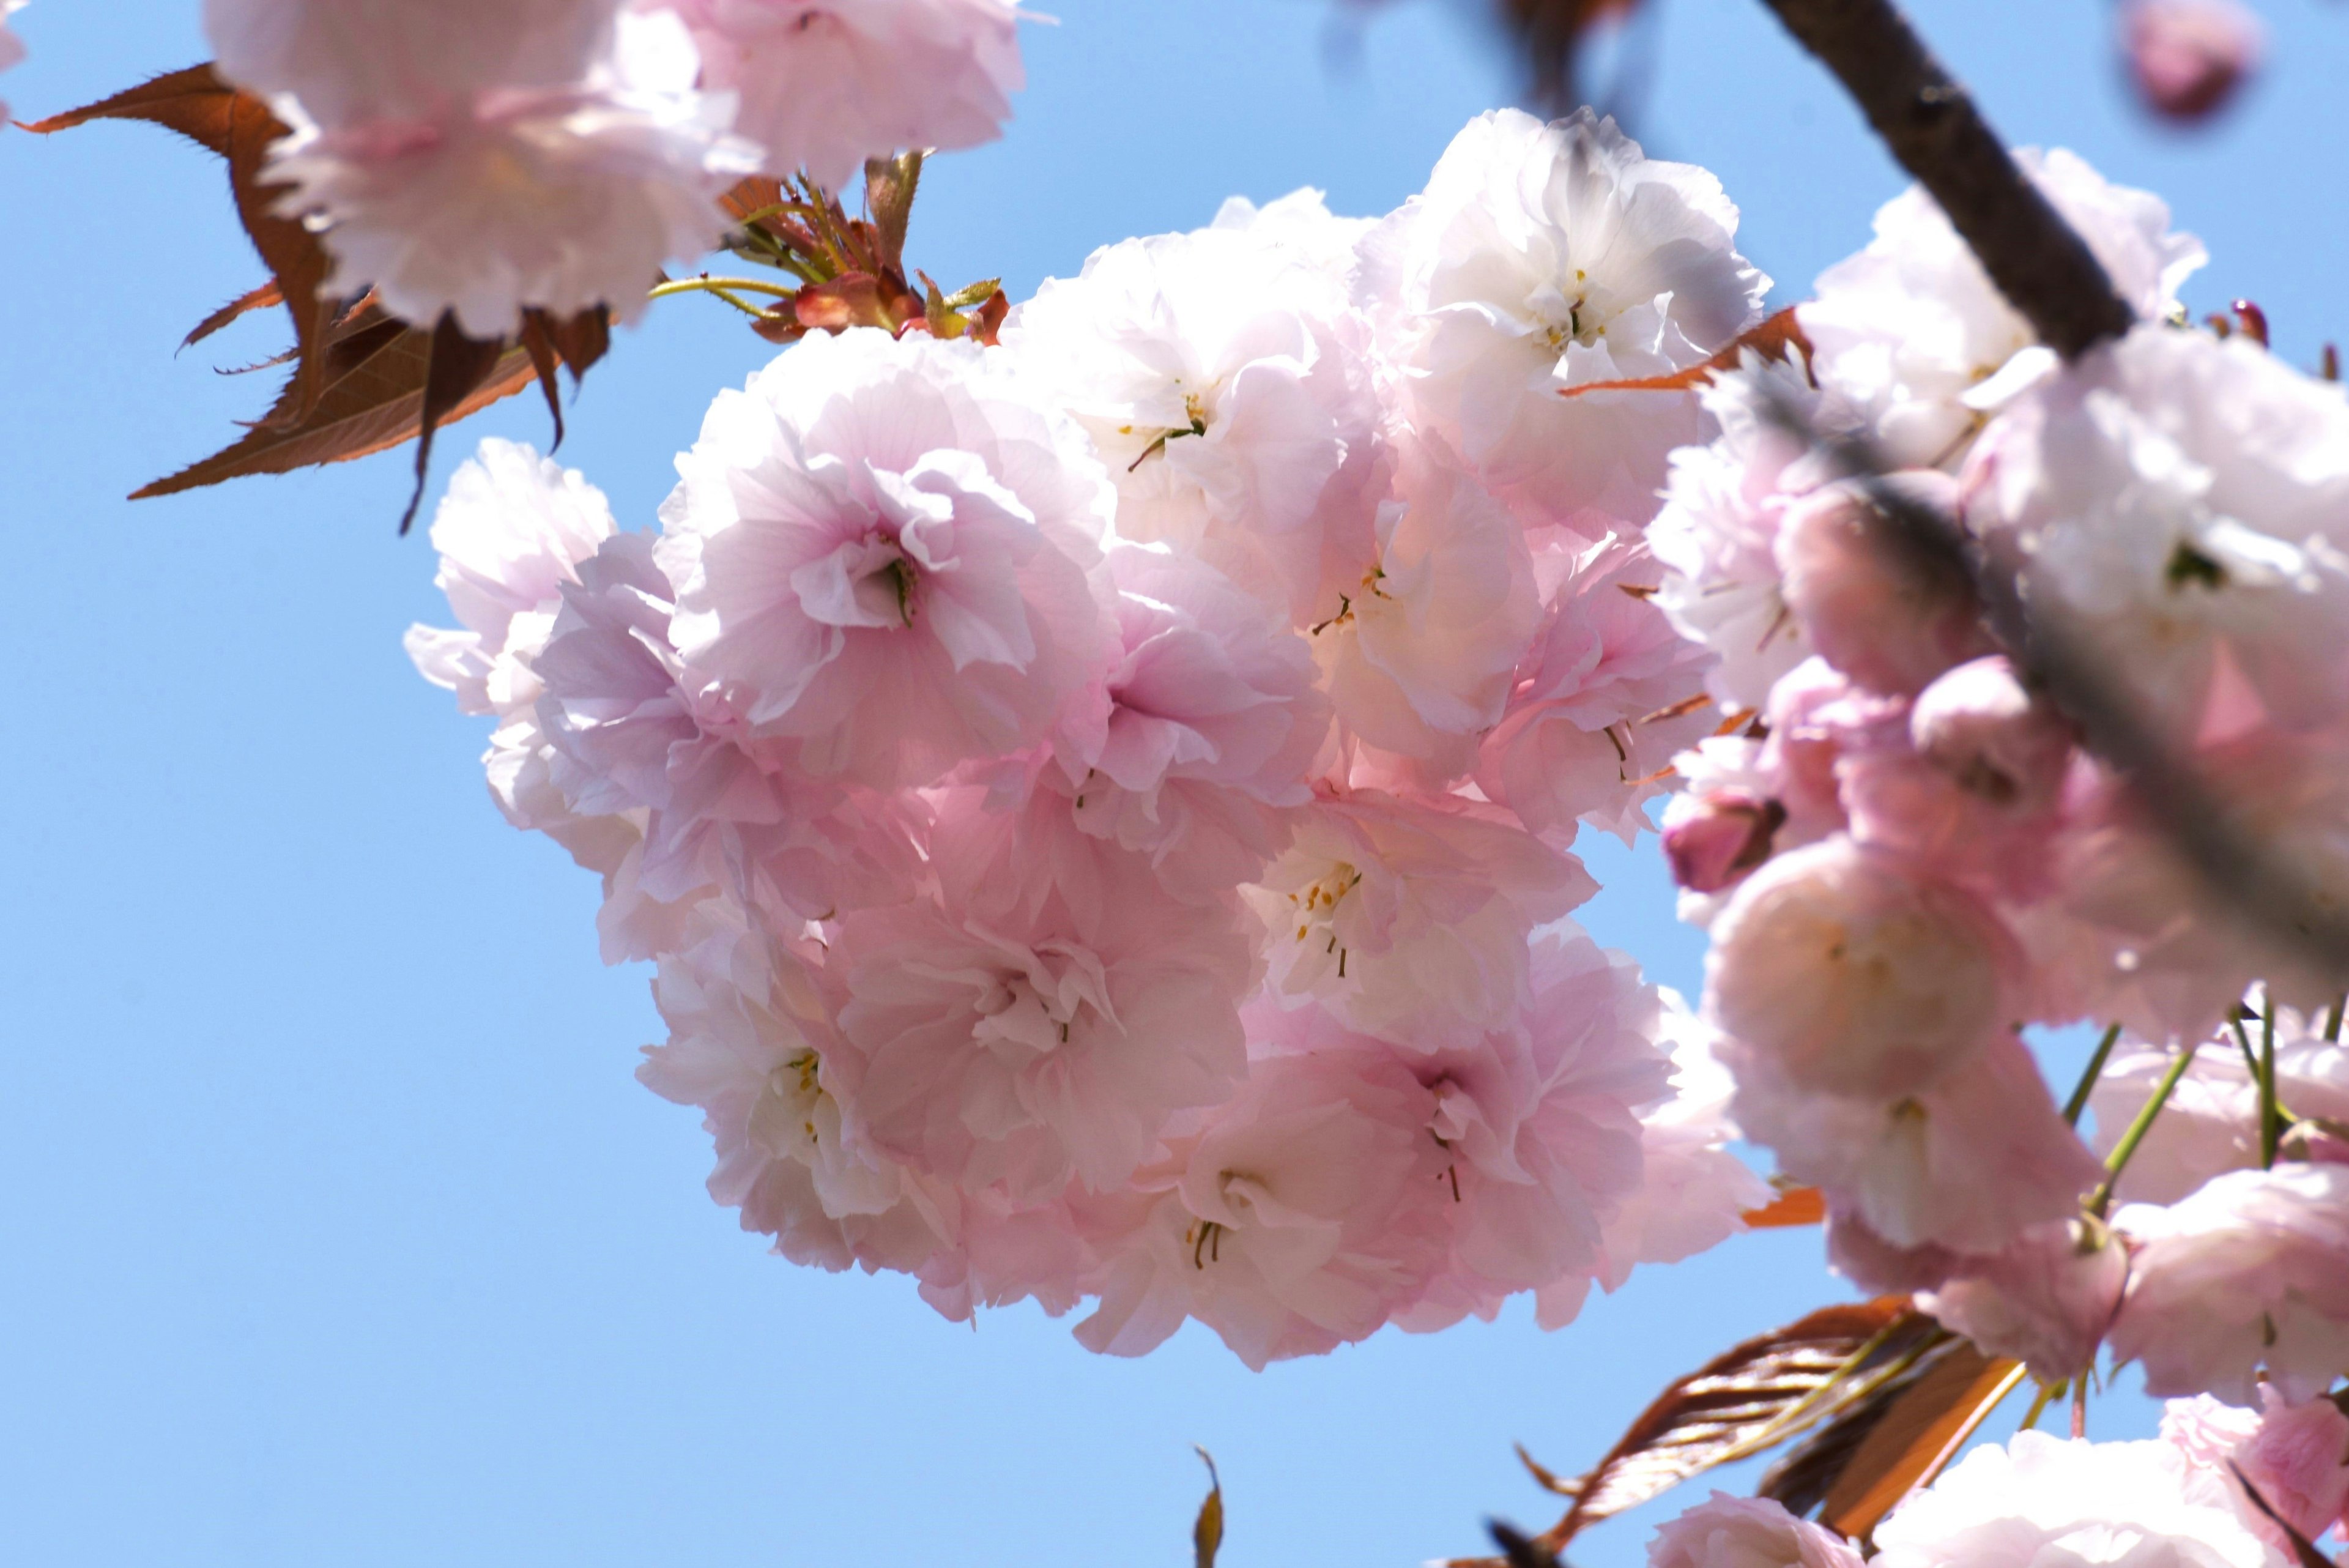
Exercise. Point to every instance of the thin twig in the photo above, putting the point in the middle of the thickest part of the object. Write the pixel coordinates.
(1930, 122)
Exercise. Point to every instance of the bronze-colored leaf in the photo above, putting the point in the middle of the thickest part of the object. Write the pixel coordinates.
(1748, 1399)
(2303, 1548)
(1794, 1206)
(543, 361)
(200, 105)
(1773, 340)
(1207, 1529)
(373, 400)
(267, 294)
(581, 340)
(457, 368)
(755, 194)
(1922, 1429)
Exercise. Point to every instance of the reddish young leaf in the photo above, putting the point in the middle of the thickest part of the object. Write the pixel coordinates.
(1795, 1206)
(373, 400)
(200, 105)
(457, 368)
(1773, 340)
(889, 187)
(1921, 1430)
(1747, 1399)
(267, 294)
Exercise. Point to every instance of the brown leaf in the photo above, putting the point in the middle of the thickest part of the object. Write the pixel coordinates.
(457, 368)
(581, 340)
(200, 105)
(268, 294)
(373, 400)
(543, 361)
(755, 194)
(1795, 1206)
(1773, 340)
(1920, 1430)
(1747, 1399)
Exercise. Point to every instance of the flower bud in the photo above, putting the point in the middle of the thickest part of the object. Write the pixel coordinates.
(1721, 838)
(1855, 976)
(2188, 58)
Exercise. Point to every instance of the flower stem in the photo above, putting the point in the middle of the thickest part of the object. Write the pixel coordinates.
(2271, 1111)
(2117, 1162)
(2079, 1100)
(2048, 1394)
(724, 288)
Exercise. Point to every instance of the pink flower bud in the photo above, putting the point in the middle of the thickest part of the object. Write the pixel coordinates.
(2188, 58)
(1876, 607)
(1724, 836)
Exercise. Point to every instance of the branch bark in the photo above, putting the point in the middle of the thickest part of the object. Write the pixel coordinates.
(1930, 122)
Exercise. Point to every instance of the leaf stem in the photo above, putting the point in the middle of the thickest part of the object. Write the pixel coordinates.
(2079, 1100)
(720, 285)
(2048, 1394)
(2117, 1162)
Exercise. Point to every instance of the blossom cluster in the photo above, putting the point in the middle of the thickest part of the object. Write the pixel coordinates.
(2184, 1499)
(483, 157)
(1102, 803)
(1904, 854)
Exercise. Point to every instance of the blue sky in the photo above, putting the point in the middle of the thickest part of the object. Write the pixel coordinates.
(332, 1226)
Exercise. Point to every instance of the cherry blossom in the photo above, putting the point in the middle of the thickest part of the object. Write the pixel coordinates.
(482, 195)
(1542, 259)
(2296, 1455)
(880, 549)
(1912, 335)
(822, 84)
(2188, 58)
(12, 47)
(1225, 378)
(1411, 920)
(1725, 1531)
(2041, 1498)
(1309, 1206)
(1191, 745)
(2046, 1300)
(2249, 1273)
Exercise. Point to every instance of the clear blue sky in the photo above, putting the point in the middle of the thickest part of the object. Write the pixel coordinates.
(334, 1229)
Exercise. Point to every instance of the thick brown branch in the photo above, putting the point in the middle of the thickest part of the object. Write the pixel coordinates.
(1930, 122)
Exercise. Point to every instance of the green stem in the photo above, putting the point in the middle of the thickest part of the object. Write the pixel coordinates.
(2117, 1162)
(2271, 1111)
(2048, 1394)
(2333, 1019)
(2079, 1100)
(720, 285)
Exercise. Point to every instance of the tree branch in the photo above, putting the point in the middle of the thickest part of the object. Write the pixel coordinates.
(1930, 122)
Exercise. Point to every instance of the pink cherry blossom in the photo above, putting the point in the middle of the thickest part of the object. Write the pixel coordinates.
(1225, 379)
(631, 733)
(1310, 1206)
(1608, 693)
(1421, 655)
(1541, 259)
(1410, 919)
(1965, 1165)
(823, 85)
(880, 550)
(2249, 1272)
(512, 530)
(1717, 534)
(2046, 1300)
(2042, 1500)
(561, 195)
(1912, 337)
(2188, 58)
(1873, 606)
(989, 1042)
(1191, 747)
(1725, 1531)
(1694, 1191)
(1540, 1126)
(2297, 1456)
(1852, 975)
(12, 47)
